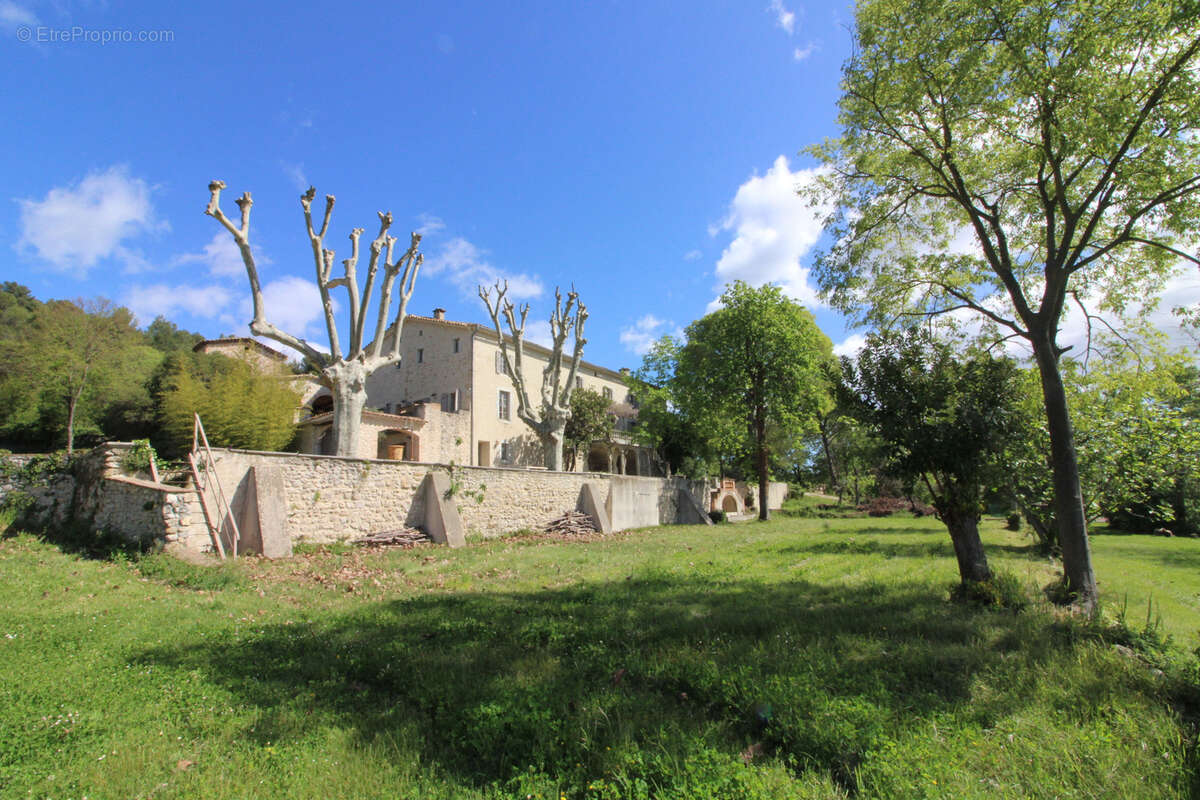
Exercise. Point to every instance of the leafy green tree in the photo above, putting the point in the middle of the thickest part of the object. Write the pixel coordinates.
(942, 422)
(239, 407)
(166, 337)
(752, 363)
(1061, 136)
(1138, 441)
(661, 424)
(68, 363)
(590, 421)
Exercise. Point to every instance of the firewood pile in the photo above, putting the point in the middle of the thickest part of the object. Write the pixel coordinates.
(404, 537)
(572, 523)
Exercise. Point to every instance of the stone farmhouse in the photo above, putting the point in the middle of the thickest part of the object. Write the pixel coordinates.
(449, 399)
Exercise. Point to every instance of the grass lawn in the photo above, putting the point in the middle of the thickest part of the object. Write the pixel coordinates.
(801, 658)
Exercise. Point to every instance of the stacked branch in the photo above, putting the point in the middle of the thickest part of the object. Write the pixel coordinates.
(548, 420)
(344, 373)
(404, 537)
(572, 523)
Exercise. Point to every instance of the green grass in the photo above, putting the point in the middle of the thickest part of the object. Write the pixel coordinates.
(805, 658)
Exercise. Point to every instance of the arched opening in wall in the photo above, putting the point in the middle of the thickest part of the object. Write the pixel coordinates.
(597, 458)
(631, 462)
(726, 499)
(322, 403)
(399, 445)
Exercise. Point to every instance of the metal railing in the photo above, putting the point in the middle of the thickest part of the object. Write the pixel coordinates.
(202, 452)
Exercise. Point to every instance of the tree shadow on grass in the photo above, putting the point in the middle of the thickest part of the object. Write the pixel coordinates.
(934, 547)
(580, 682)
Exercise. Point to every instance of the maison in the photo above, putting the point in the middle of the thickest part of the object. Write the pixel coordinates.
(450, 399)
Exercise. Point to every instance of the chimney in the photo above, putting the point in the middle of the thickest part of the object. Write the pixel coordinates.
(439, 313)
(624, 371)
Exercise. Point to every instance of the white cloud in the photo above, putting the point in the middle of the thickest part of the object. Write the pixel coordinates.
(467, 267)
(850, 345)
(12, 15)
(641, 336)
(774, 230)
(148, 302)
(692, 255)
(291, 304)
(783, 18)
(222, 257)
(75, 227)
(429, 224)
(801, 53)
(538, 332)
(295, 173)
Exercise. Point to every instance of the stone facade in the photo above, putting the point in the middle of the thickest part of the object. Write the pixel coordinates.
(451, 375)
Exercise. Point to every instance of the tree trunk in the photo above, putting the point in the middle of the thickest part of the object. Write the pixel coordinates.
(349, 397)
(1068, 495)
(761, 458)
(552, 444)
(72, 401)
(968, 548)
(833, 481)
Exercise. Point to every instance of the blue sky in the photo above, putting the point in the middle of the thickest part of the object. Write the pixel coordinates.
(645, 152)
(627, 147)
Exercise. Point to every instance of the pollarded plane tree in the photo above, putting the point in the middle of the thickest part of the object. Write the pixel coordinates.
(344, 373)
(549, 419)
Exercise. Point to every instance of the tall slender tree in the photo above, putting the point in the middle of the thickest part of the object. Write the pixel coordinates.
(1060, 138)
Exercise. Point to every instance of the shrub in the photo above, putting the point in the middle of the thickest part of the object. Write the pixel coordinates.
(1001, 591)
(886, 506)
(139, 457)
(1013, 523)
(717, 516)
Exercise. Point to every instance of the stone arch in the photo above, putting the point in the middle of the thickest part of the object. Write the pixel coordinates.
(322, 402)
(597, 458)
(729, 501)
(399, 445)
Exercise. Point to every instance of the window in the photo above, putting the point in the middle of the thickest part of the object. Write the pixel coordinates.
(505, 453)
(456, 341)
(505, 405)
(578, 382)
(420, 355)
(500, 363)
(608, 394)
(450, 401)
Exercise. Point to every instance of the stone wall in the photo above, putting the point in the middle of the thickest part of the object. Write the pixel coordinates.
(328, 498)
(95, 493)
(331, 499)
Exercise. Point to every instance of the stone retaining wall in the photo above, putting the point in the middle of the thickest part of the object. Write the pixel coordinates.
(329, 498)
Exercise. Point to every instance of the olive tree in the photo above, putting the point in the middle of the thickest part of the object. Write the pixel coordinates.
(1054, 143)
(941, 421)
(344, 373)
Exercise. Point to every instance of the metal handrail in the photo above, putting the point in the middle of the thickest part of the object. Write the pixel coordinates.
(209, 465)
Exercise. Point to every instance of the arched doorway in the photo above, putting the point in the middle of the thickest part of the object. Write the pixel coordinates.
(322, 403)
(399, 445)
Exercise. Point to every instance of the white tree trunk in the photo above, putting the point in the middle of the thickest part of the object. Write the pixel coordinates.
(348, 402)
(552, 443)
